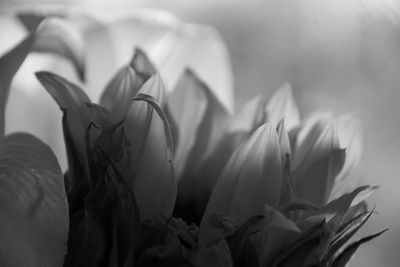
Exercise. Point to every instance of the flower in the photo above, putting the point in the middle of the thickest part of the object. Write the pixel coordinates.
(86, 37)
(267, 188)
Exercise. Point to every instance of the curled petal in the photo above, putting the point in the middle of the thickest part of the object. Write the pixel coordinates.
(150, 170)
(33, 210)
(250, 180)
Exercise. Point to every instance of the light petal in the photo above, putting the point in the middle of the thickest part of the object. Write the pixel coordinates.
(282, 105)
(200, 119)
(351, 139)
(311, 129)
(9, 65)
(151, 172)
(58, 36)
(315, 177)
(191, 106)
(170, 44)
(250, 180)
(33, 205)
(119, 92)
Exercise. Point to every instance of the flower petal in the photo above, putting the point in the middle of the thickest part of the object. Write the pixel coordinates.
(9, 65)
(276, 232)
(33, 209)
(311, 129)
(350, 138)
(282, 105)
(58, 36)
(315, 177)
(170, 44)
(250, 180)
(79, 113)
(200, 119)
(151, 172)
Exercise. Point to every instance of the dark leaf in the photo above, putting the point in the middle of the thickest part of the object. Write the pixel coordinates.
(33, 206)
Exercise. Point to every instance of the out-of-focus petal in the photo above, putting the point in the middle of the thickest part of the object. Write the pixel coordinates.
(33, 206)
(150, 171)
(59, 37)
(9, 65)
(250, 117)
(142, 65)
(282, 105)
(250, 180)
(170, 44)
(351, 139)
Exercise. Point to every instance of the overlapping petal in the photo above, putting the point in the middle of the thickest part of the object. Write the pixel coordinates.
(251, 179)
(151, 173)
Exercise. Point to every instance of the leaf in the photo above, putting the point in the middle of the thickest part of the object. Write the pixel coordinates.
(343, 259)
(282, 106)
(250, 180)
(33, 210)
(9, 65)
(151, 164)
(58, 36)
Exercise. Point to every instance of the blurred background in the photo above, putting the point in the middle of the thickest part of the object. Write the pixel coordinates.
(339, 55)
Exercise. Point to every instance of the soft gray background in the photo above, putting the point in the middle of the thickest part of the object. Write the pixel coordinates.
(340, 55)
